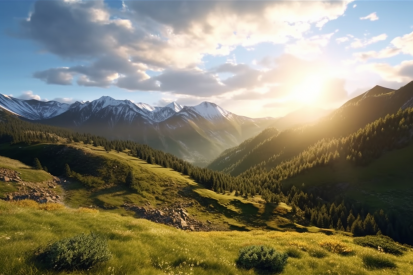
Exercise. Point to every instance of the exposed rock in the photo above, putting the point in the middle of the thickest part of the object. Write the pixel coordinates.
(38, 191)
(175, 216)
(8, 175)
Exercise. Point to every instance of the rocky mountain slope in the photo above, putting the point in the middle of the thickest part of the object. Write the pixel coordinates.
(195, 133)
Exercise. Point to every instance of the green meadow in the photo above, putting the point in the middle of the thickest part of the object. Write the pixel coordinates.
(139, 246)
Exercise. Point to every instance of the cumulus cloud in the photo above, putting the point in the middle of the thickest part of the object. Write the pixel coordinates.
(372, 17)
(404, 43)
(60, 76)
(361, 43)
(190, 82)
(401, 73)
(309, 47)
(29, 95)
(117, 46)
(401, 44)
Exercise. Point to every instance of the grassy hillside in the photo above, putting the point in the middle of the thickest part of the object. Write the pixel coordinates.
(161, 187)
(142, 247)
(27, 173)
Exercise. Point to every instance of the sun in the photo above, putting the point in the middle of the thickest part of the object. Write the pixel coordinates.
(309, 90)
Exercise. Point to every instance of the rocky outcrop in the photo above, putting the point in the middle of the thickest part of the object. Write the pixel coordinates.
(8, 175)
(41, 192)
(175, 216)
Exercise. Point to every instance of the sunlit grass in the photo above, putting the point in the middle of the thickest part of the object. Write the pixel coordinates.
(142, 247)
(27, 173)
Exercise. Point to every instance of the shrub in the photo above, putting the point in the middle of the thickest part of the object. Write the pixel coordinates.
(294, 253)
(317, 253)
(79, 252)
(385, 243)
(377, 262)
(262, 258)
(336, 247)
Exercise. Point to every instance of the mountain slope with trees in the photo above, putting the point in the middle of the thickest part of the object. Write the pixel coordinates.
(353, 115)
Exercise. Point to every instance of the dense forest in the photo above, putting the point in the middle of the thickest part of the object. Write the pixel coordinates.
(360, 148)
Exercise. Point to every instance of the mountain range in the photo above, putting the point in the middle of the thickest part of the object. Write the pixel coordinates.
(195, 133)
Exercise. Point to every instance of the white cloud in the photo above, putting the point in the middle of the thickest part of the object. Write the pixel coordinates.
(404, 43)
(173, 37)
(384, 53)
(401, 44)
(372, 17)
(29, 95)
(361, 43)
(309, 47)
(342, 39)
(355, 5)
(401, 73)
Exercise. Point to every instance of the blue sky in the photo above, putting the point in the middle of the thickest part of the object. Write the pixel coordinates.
(254, 58)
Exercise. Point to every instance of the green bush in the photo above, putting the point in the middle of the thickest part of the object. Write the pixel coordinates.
(262, 258)
(294, 253)
(377, 262)
(79, 252)
(385, 243)
(317, 253)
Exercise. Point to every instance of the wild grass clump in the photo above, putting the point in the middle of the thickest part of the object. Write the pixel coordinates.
(87, 210)
(336, 247)
(49, 206)
(294, 253)
(381, 243)
(317, 253)
(262, 258)
(26, 203)
(78, 252)
(300, 245)
(377, 262)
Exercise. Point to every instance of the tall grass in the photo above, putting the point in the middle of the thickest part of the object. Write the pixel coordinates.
(142, 247)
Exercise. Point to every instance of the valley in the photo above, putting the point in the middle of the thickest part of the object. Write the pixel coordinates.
(206, 137)
(323, 196)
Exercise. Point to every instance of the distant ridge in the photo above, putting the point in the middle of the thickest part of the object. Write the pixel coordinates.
(195, 133)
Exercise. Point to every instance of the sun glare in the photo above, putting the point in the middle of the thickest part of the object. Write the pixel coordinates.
(308, 91)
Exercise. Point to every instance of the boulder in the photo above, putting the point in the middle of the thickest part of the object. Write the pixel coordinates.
(183, 223)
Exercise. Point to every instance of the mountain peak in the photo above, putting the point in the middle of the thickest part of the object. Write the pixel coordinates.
(210, 110)
(174, 106)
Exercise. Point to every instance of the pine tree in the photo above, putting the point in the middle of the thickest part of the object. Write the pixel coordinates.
(37, 164)
(68, 172)
(350, 220)
(357, 227)
(370, 226)
(340, 225)
(130, 179)
(150, 160)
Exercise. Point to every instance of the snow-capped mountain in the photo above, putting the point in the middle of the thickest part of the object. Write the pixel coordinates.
(196, 133)
(32, 109)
